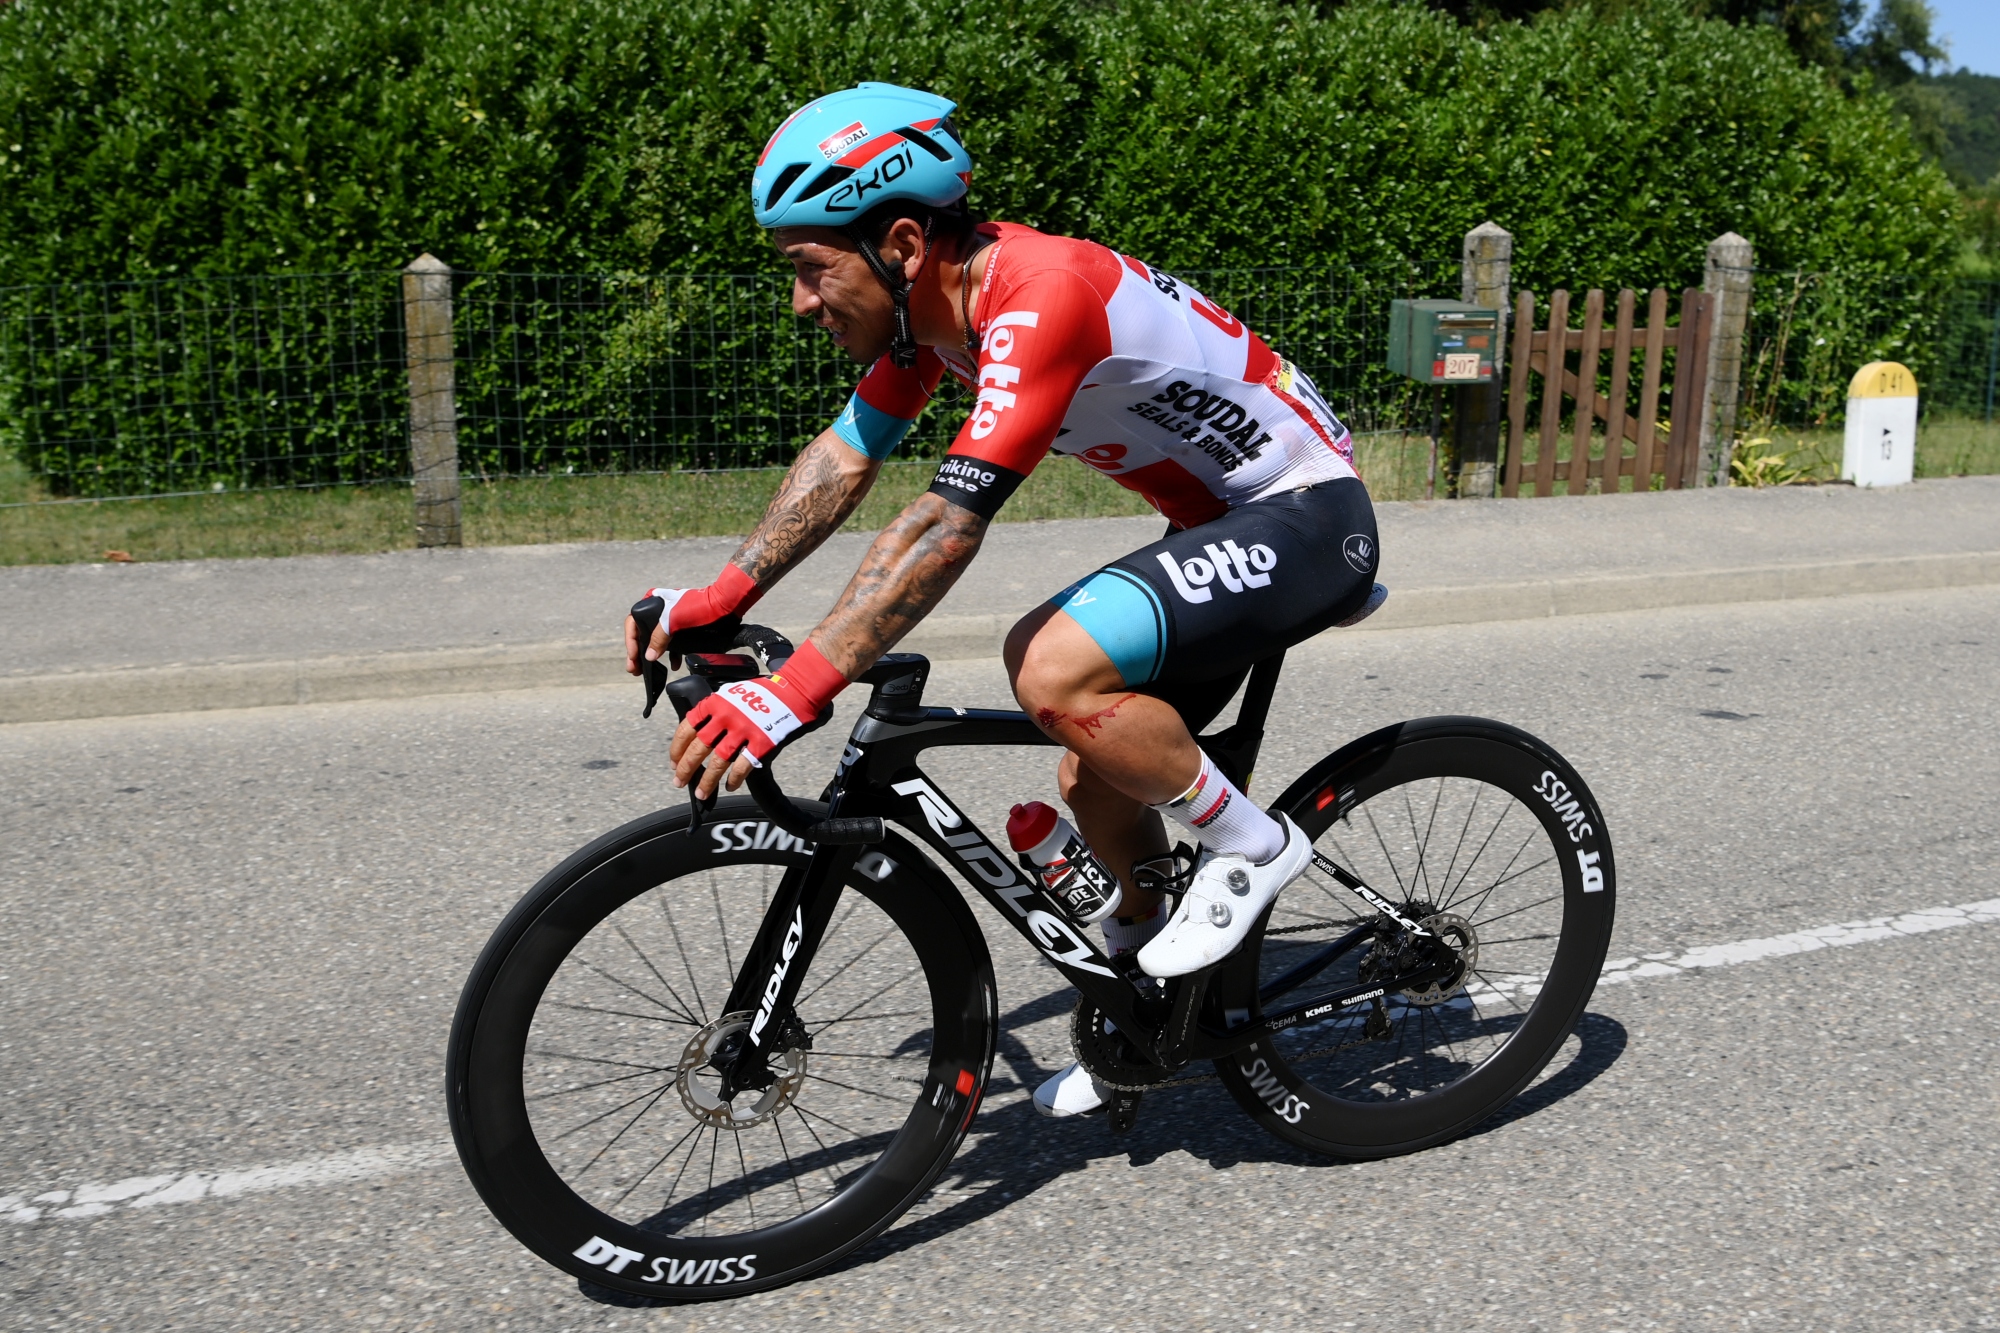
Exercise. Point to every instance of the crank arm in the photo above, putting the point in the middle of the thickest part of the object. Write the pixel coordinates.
(1353, 884)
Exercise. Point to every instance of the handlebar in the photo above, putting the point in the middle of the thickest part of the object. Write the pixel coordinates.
(700, 645)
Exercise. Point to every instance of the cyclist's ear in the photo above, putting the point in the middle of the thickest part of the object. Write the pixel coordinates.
(903, 244)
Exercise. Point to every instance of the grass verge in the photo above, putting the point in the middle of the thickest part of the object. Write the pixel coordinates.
(351, 520)
(1946, 447)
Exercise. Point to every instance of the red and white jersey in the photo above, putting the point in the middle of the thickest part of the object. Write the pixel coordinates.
(1095, 354)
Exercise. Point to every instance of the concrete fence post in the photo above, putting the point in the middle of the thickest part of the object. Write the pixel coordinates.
(1486, 279)
(1731, 264)
(427, 346)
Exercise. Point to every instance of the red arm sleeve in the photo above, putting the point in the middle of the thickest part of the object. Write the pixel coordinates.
(1039, 342)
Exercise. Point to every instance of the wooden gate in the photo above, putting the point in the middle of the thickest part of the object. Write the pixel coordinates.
(1672, 455)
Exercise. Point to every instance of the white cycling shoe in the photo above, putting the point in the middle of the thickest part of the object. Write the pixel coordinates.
(1221, 904)
(1075, 1091)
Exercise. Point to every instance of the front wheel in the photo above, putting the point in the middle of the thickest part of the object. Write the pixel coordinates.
(582, 1092)
(1488, 837)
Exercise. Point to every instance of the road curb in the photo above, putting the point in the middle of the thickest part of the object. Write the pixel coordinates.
(196, 687)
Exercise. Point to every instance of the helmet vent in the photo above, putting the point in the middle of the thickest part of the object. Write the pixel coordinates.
(784, 182)
(925, 142)
(825, 181)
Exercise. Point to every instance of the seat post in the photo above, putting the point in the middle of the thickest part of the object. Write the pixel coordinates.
(1234, 749)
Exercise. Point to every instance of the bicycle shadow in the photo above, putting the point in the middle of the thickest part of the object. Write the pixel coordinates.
(1017, 1151)
(1014, 1151)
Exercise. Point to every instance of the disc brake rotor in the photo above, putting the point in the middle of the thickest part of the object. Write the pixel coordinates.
(700, 1086)
(1458, 933)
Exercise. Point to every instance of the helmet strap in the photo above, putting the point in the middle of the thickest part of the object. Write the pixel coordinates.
(903, 344)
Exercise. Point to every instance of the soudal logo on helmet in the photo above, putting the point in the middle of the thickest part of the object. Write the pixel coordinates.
(841, 140)
(855, 148)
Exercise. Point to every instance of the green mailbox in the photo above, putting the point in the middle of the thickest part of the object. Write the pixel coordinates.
(1443, 342)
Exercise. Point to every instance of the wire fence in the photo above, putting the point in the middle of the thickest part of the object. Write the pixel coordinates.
(120, 389)
(204, 384)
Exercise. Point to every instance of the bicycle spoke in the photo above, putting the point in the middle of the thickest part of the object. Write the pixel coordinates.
(822, 1078)
(616, 1013)
(649, 999)
(832, 1181)
(602, 1115)
(687, 965)
(636, 1117)
(679, 1175)
(586, 1087)
(914, 969)
(1387, 857)
(827, 1119)
(692, 1131)
(1491, 834)
(1471, 808)
(619, 926)
(748, 1200)
(1552, 898)
(888, 933)
(1472, 913)
(870, 1018)
(721, 927)
(597, 1060)
(778, 1127)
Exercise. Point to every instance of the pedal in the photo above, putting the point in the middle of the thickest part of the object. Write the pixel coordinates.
(1124, 1110)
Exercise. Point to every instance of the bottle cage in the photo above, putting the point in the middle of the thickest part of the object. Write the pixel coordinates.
(1167, 873)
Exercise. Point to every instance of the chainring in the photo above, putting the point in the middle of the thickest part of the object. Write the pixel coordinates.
(1109, 1058)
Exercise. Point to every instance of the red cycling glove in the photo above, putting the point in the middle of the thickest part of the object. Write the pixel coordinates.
(758, 715)
(732, 593)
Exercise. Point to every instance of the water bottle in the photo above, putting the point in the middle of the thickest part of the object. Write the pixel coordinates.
(1069, 870)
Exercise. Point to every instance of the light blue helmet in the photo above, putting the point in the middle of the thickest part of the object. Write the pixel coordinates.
(841, 155)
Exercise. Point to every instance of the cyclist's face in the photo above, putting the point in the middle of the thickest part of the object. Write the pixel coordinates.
(833, 286)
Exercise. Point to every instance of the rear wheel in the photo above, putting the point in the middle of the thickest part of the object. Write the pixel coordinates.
(584, 1103)
(1488, 837)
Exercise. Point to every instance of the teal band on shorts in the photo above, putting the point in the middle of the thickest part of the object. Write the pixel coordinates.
(1124, 617)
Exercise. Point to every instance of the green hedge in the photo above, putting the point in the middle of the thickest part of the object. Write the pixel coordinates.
(153, 137)
(173, 147)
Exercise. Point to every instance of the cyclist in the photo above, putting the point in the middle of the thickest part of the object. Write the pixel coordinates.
(1071, 348)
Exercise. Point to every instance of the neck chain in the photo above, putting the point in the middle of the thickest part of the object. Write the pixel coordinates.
(965, 297)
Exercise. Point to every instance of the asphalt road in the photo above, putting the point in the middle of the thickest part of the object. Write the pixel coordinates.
(234, 940)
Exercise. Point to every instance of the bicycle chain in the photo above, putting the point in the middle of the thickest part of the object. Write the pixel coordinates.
(1192, 1079)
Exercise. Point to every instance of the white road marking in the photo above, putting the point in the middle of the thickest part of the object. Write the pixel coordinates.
(1669, 964)
(1920, 922)
(168, 1187)
(187, 1186)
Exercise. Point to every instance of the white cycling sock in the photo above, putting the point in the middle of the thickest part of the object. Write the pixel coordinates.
(1222, 817)
(1123, 934)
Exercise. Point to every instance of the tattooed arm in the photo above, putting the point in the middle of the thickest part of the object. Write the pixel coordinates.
(906, 573)
(818, 493)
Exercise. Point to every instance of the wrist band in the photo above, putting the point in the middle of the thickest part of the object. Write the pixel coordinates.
(810, 677)
(734, 591)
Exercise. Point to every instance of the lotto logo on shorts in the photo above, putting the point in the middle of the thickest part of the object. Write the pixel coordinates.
(1233, 566)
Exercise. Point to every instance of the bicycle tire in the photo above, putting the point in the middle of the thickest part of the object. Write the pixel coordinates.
(1434, 1063)
(523, 1119)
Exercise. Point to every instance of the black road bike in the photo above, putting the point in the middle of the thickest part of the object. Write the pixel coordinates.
(726, 1044)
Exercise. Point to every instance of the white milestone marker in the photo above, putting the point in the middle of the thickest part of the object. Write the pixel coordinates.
(1881, 426)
